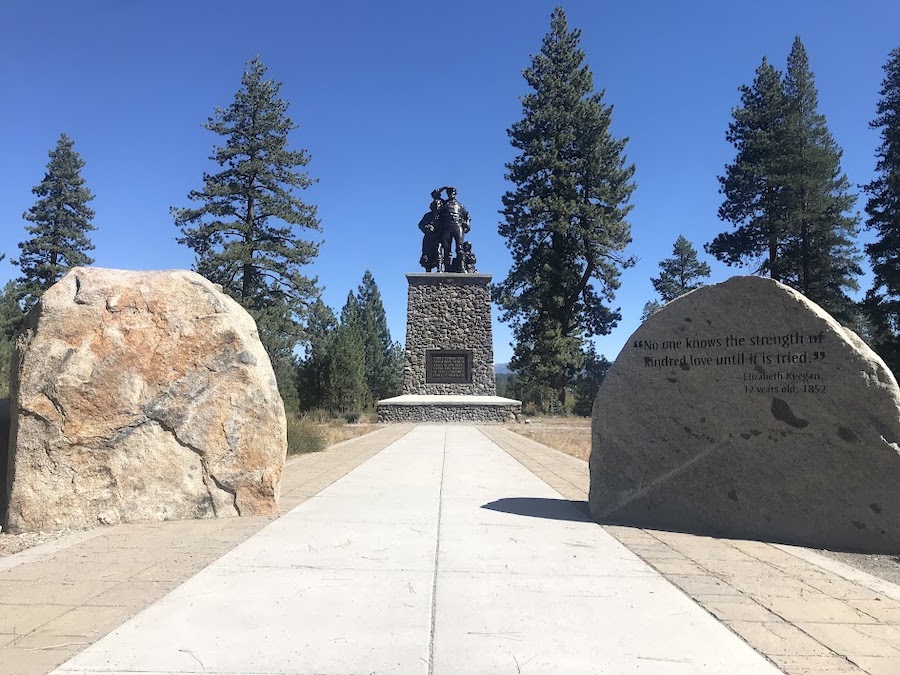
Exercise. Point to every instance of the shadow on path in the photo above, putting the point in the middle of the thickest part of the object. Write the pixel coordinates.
(539, 507)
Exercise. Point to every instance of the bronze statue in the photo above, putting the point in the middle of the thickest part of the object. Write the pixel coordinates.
(443, 232)
(431, 240)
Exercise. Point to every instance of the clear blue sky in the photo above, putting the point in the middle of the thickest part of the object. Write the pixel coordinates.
(397, 98)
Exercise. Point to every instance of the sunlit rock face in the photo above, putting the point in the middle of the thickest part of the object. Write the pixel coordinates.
(744, 409)
(141, 396)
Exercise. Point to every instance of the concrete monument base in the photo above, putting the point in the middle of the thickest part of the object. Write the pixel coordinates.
(448, 408)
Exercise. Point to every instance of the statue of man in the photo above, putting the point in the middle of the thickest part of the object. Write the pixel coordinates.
(430, 237)
(453, 224)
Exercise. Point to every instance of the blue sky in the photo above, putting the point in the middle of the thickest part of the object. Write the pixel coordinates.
(394, 99)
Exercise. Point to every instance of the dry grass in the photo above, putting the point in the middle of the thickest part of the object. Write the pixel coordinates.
(571, 435)
(336, 433)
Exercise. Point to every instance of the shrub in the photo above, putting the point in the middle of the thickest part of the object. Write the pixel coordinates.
(303, 435)
(317, 415)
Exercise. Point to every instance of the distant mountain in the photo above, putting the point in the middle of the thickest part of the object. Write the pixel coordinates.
(502, 369)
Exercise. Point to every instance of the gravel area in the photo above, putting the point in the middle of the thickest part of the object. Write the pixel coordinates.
(15, 543)
(885, 567)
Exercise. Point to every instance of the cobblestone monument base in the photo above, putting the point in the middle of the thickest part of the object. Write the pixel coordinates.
(448, 375)
(448, 408)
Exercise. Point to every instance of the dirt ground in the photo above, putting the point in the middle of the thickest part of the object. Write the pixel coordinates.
(572, 435)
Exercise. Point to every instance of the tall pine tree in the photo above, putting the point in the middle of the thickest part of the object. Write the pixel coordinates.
(314, 371)
(754, 182)
(61, 221)
(246, 230)
(565, 220)
(347, 384)
(821, 255)
(785, 192)
(883, 210)
(383, 357)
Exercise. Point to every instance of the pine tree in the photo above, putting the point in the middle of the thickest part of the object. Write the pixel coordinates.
(245, 232)
(883, 210)
(347, 385)
(383, 357)
(314, 372)
(60, 221)
(565, 221)
(11, 316)
(588, 381)
(681, 273)
(754, 182)
(650, 307)
(785, 192)
(678, 275)
(821, 255)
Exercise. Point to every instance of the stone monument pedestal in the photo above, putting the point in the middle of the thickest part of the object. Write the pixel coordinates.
(448, 374)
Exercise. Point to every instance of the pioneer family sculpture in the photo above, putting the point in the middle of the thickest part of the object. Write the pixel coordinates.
(444, 228)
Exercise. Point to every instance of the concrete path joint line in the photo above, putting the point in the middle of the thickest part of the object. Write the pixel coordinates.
(437, 551)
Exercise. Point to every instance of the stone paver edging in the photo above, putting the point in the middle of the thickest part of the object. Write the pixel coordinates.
(804, 612)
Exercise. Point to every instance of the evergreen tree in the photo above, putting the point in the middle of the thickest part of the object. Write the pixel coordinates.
(650, 307)
(314, 372)
(245, 231)
(883, 210)
(821, 255)
(588, 381)
(11, 316)
(347, 385)
(754, 182)
(681, 273)
(785, 192)
(678, 275)
(565, 221)
(383, 357)
(61, 221)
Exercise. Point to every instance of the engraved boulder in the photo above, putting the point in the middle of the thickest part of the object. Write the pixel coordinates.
(745, 410)
(141, 396)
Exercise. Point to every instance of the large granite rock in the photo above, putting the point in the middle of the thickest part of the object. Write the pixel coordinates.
(743, 409)
(140, 396)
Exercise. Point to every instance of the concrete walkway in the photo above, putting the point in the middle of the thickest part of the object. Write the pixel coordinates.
(436, 549)
(441, 554)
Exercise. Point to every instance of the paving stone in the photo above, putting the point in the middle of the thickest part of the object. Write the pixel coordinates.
(736, 608)
(26, 661)
(674, 566)
(765, 585)
(850, 640)
(840, 588)
(878, 665)
(23, 619)
(50, 592)
(40, 640)
(883, 609)
(813, 665)
(88, 621)
(817, 610)
(778, 638)
(136, 594)
(702, 584)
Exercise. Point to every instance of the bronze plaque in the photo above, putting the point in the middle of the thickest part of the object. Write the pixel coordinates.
(448, 366)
